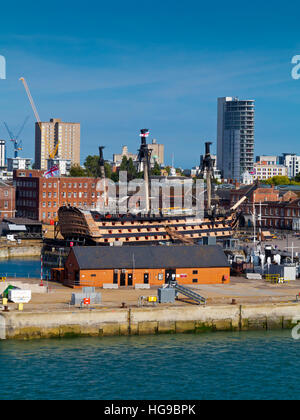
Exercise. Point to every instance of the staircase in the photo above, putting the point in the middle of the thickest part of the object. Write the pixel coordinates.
(188, 293)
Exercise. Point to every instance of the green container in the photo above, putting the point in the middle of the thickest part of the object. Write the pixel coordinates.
(10, 287)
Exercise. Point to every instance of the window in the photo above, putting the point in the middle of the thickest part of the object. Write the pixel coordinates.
(195, 271)
(195, 280)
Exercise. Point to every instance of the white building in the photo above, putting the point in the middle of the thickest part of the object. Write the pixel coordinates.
(6, 175)
(267, 160)
(292, 162)
(247, 178)
(18, 163)
(264, 170)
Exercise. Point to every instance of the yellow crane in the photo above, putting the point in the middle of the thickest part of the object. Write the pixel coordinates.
(53, 153)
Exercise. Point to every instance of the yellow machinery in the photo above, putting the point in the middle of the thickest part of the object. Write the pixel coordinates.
(146, 300)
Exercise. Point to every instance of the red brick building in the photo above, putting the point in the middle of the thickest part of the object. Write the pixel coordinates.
(39, 198)
(278, 210)
(7, 200)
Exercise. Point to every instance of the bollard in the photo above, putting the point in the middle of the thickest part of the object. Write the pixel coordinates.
(20, 307)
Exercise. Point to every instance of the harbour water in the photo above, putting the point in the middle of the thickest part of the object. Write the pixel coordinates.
(29, 267)
(251, 365)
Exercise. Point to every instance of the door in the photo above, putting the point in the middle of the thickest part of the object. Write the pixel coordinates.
(116, 277)
(146, 278)
(122, 279)
(129, 280)
(77, 280)
(170, 276)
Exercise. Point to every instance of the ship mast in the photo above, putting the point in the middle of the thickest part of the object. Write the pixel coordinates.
(207, 168)
(101, 162)
(102, 174)
(144, 157)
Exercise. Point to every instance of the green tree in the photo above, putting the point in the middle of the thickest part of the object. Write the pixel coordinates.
(156, 171)
(131, 169)
(77, 171)
(108, 171)
(124, 163)
(278, 180)
(91, 165)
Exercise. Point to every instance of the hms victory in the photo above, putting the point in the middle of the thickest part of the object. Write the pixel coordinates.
(93, 227)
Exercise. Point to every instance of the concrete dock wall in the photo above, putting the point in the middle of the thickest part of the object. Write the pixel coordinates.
(20, 251)
(141, 321)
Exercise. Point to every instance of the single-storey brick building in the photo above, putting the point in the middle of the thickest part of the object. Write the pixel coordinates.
(154, 265)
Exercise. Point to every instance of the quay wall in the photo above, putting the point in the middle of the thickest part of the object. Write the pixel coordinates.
(141, 321)
(19, 251)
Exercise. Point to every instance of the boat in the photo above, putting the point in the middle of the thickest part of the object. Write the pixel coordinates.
(92, 227)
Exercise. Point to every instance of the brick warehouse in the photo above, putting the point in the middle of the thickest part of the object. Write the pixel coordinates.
(154, 265)
(7, 200)
(39, 198)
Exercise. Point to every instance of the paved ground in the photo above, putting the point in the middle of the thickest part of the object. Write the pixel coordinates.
(240, 289)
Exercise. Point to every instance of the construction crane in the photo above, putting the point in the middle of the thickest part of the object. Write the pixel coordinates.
(52, 153)
(15, 139)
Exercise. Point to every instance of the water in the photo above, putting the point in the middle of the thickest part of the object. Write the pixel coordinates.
(258, 365)
(21, 268)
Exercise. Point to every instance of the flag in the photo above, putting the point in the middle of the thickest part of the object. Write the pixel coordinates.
(145, 134)
(52, 172)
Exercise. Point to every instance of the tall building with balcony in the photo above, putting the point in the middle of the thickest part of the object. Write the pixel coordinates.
(56, 139)
(235, 137)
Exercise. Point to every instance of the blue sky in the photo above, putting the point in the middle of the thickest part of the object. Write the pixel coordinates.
(119, 66)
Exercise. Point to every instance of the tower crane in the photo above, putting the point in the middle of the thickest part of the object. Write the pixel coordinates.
(15, 139)
(52, 153)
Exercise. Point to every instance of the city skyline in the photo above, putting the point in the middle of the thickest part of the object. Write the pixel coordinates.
(114, 77)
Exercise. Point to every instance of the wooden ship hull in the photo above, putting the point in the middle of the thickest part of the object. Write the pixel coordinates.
(91, 227)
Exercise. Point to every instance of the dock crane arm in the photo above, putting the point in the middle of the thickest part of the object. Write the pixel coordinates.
(31, 100)
(22, 79)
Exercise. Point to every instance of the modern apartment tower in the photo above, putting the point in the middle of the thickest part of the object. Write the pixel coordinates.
(235, 137)
(56, 139)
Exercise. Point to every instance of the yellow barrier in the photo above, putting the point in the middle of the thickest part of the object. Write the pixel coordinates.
(272, 278)
(275, 278)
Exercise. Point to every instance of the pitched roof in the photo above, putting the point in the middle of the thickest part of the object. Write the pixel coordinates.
(150, 257)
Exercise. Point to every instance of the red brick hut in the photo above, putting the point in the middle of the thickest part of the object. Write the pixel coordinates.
(154, 265)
